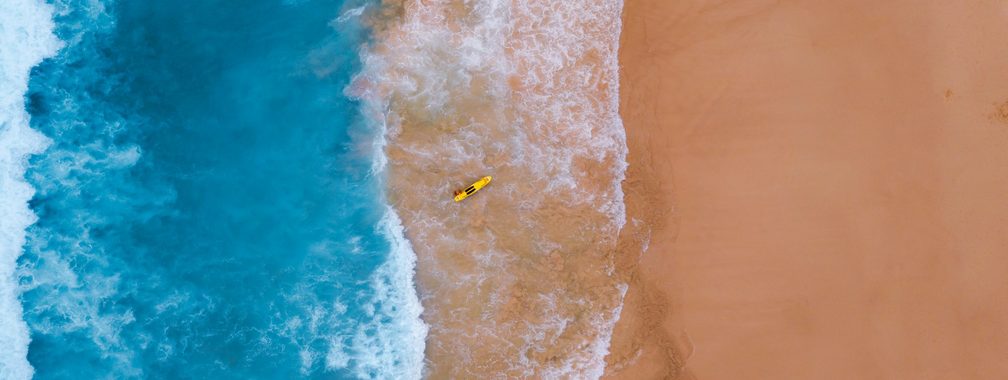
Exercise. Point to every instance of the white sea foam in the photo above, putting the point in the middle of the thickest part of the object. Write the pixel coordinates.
(394, 351)
(26, 38)
(393, 283)
(387, 340)
(352, 13)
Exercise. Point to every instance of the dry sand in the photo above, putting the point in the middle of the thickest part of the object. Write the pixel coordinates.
(827, 185)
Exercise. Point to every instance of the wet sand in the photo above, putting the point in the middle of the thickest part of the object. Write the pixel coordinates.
(825, 186)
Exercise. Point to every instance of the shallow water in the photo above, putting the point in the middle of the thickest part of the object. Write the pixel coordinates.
(211, 204)
(518, 280)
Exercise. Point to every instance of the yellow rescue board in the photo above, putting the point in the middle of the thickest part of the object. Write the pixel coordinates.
(472, 189)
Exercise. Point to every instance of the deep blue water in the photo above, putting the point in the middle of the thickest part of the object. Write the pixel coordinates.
(207, 207)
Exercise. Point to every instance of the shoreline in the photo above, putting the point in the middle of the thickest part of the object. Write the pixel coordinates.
(823, 188)
(640, 347)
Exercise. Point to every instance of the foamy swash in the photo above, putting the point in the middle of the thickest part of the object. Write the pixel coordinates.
(25, 39)
(518, 280)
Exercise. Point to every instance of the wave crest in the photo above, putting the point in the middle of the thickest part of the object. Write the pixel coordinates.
(26, 38)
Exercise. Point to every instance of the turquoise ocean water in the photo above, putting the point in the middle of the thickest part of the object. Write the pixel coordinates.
(209, 203)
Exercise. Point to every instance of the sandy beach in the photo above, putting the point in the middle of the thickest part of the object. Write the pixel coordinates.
(822, 189)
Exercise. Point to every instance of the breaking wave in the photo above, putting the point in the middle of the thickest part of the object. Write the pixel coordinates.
(26, 38)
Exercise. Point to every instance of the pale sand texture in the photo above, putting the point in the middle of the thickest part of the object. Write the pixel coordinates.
(830, 198)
